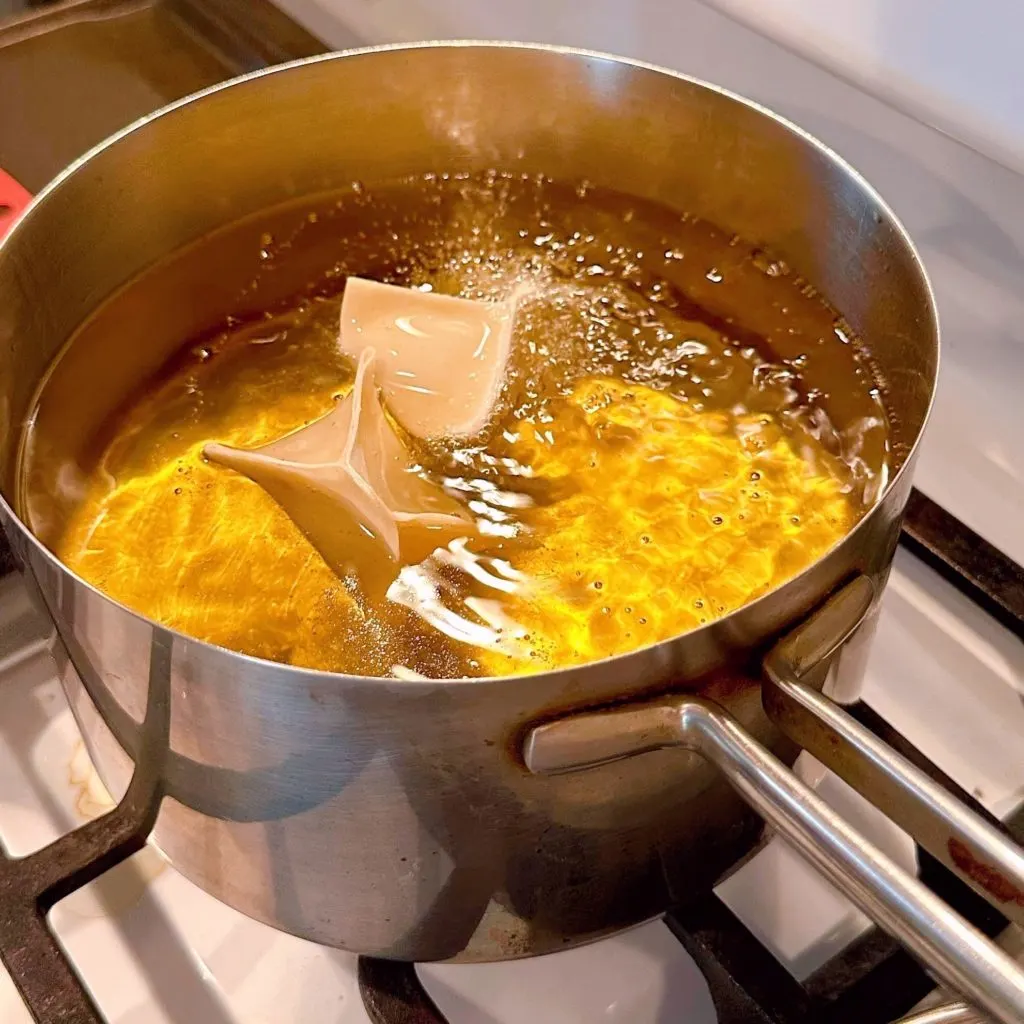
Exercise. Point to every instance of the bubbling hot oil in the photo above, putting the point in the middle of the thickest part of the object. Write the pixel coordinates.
(686, 424)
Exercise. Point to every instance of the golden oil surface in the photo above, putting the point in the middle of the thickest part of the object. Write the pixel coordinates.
(685, 426)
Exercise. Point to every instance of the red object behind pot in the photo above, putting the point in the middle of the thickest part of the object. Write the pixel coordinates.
(13, 199)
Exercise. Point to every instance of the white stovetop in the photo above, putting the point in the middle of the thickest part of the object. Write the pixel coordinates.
(153, 948)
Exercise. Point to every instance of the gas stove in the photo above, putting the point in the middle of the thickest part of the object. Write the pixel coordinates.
(772, 943)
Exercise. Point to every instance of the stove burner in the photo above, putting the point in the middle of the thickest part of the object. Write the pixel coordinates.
(393, 993)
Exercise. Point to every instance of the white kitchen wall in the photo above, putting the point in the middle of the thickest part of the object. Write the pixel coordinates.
(956, 64)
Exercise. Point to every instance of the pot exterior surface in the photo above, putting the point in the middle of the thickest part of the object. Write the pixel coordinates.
(390, 817)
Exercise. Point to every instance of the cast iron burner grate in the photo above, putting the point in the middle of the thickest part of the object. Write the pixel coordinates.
(873, 981)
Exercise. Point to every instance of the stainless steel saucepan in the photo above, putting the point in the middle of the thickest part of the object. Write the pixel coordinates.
(494, 818)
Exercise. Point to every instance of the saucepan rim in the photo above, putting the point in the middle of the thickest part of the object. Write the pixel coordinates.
(566, 673)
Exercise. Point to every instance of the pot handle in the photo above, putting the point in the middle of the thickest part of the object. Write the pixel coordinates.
(945, 1013)
(978, 852)
(958, 954)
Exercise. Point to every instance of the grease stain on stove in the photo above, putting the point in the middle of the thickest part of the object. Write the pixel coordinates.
(91, 796)
(121, 888)
(988, 877)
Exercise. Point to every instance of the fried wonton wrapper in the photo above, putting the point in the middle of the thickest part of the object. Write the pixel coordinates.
(440, 359)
